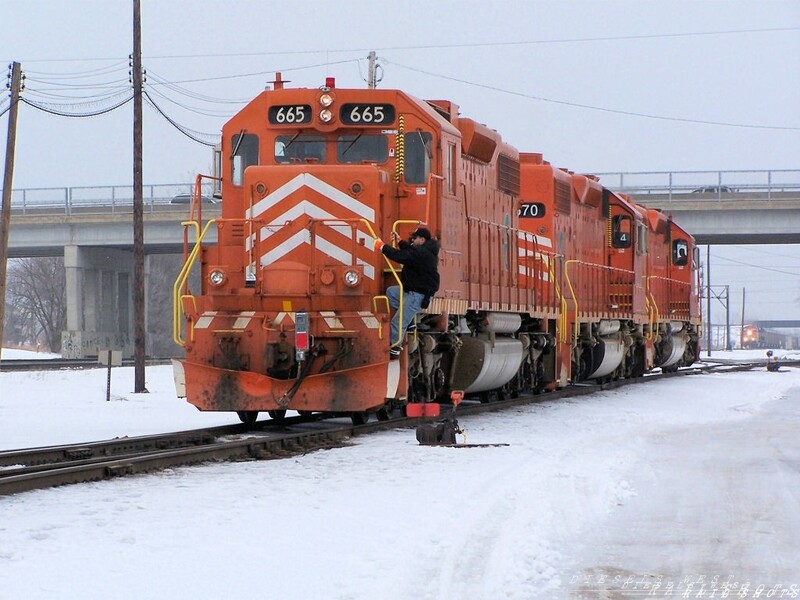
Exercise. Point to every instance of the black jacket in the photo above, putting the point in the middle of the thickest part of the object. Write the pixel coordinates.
(420, 272)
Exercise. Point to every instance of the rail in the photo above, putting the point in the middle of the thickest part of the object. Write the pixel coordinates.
(28, 469)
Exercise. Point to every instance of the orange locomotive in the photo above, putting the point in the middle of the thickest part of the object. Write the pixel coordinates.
(547, 277)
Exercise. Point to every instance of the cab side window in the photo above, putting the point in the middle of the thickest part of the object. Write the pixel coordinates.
(621, 232)
(680, 252)
(243, 154)
(419, 155)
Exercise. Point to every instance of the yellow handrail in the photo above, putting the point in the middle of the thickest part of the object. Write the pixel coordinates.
(399, 340)
(576, 325)
(654, 311)
(180, 281)
(562, 302)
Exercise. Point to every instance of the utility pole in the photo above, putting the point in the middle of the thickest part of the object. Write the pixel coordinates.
(728, 345)
(708, 298)
(741, 331)
(372, 71)
(138, 206)
(8, 177)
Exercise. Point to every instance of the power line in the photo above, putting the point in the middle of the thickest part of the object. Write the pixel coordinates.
(80, 86)
(120, 65)
(193, 135)
(588, 106)
(63, 113)
(159, 81)
(265, 73)
(446, 46)
(223, 114)
(93, 98)
(763, 268)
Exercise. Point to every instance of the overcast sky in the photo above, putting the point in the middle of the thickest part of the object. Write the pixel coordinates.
(596, 86)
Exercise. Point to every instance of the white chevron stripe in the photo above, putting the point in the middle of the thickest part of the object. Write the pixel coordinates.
(316, 184)
(304, 237)
(244, 319)
(331, 319)
(343, 256)
(299, 238)
(301, 208)
(369, 320)
(204, 322)
(542, 241)
(544, 275)
(280, 317)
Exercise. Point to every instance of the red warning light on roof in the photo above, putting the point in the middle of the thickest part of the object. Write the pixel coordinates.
(330, 82)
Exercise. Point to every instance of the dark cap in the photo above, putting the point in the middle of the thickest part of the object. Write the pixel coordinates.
(422, 232)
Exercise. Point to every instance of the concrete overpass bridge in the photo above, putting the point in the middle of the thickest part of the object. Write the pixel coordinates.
(92, 228)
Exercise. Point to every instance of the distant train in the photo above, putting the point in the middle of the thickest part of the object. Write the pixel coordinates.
(547, 277)
(755, 336)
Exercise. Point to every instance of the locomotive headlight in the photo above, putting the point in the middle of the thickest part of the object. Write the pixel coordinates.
(352, 278)
(326, 100)
(216, 277)
(325, 115)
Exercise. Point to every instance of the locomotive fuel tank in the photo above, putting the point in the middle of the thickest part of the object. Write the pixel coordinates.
(486, 363)
(677, 341)
(608, 350)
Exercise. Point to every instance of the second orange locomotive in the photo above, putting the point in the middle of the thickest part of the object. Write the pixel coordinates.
(547, 277)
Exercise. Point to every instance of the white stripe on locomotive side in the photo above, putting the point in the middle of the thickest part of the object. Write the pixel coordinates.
(244, 319)
(204, 322)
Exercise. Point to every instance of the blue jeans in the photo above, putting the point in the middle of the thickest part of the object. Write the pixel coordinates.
(412, 302)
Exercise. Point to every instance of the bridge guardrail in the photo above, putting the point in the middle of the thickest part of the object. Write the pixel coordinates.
(672, 186)
(776, 184)
(86, 199)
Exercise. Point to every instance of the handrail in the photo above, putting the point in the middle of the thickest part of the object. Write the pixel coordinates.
(376, 298)
(576, 325)
(197, 195)
(183, 276)
(562, 301)
(655, 314)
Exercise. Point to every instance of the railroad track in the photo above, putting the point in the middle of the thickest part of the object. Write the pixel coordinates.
(36, 468)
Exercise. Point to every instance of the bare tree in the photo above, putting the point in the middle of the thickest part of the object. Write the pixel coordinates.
(37, 294)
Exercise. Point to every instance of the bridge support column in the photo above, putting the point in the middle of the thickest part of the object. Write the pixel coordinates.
(99, 301)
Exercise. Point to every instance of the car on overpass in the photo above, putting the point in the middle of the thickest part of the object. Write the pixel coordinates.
(187, 199)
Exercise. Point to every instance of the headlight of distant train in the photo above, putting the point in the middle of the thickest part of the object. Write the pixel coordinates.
(326, 100)
(352, 278)
(216, 277)
(325, 115)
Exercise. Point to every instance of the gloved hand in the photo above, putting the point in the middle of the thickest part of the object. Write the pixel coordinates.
(378, 244)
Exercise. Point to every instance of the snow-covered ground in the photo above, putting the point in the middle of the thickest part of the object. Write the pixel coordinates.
(666, 489)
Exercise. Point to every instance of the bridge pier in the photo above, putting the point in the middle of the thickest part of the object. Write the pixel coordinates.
(99, 286)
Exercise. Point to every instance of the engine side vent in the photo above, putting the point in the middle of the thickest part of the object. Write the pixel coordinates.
(562, 193)
(238, 231)
(508, 174)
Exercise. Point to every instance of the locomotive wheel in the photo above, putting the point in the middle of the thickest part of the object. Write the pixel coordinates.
(277, 415)
(359, 418)
(248, 417)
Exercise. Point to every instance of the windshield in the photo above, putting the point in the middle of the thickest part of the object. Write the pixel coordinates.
(299, 148)
(362, 148)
